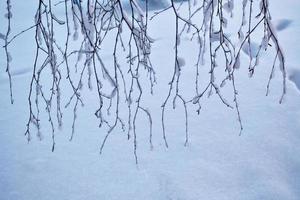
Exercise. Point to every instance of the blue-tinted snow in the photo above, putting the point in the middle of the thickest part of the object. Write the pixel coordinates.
(263, 163)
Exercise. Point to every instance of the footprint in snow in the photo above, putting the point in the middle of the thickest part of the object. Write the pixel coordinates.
(14, 73)
(20, 72)
(152, 5)
(253, 47)
(294, 76)
(282, 24)
(279, 26)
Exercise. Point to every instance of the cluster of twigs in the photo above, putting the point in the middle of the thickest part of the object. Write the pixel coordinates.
(92, 22)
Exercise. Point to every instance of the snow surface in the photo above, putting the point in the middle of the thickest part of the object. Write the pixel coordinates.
(263, 163)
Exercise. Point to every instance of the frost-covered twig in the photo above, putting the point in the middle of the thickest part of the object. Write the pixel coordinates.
(89, 25)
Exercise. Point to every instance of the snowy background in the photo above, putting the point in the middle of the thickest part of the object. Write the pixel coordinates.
(263, 163)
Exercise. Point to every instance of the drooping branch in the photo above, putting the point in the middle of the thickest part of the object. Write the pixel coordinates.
(89, 25)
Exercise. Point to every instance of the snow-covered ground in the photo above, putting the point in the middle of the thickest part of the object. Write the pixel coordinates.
(263, 163)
